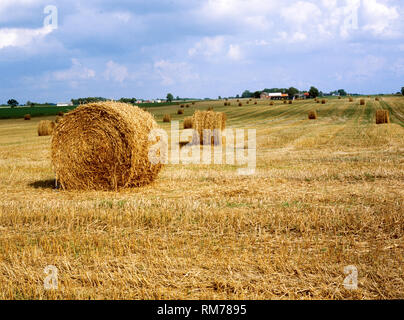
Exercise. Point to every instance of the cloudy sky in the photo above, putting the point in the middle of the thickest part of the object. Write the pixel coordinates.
(204, 48)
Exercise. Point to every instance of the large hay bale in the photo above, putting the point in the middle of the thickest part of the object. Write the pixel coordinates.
(382, 116)
(188, 123)
(27, 117)
(58, 119)
(208, 120)
(312, 115)
(104, 146)
(45, 128)
(362, 102)
(167, 118)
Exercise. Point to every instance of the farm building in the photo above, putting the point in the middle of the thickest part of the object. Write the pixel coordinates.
(64, 104)
(272, 96)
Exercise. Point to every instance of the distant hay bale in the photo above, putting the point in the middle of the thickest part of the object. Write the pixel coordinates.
(58, 119)
(318, 101)
(182, 106)
(248, 102)
(187, 106)
(61, 114)
(188, 123)
(240, 104)
(180, 111)
(255, 102)
(27, 117)
(238, 100)
(45, 128)
(350, 99)
(228, 104)
(167, 118)
(362, 102)
(339, 98)
(290, 101)
(382, 116)
(285, 102)
(377, 99)
(313, 115)
(104, 146)
(323, 101)
(271, 103)
(225, 104)
(193, 102)
(208, 120)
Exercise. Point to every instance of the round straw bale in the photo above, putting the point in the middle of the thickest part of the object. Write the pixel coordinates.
(362, 102)
(45, 128)
(104, 146)
(27, 117)
(61, 114)
(180, 111)
(188, 123)
(382, 116)
(215, 121)
(312, 115)
(167, 118)
(58, 119)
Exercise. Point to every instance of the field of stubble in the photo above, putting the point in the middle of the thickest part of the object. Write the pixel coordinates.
(326, 194)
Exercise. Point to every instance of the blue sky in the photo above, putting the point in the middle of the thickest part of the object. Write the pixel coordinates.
(204, 48)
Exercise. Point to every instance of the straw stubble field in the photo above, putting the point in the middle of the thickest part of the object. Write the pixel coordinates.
(327, 193)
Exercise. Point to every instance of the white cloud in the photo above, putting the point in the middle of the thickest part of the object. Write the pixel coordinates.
(208, 47)
(379, 17)
(300, 12)
(21, 37)
(76, 72)
(116, 72)
(234, 52)
(174, 72)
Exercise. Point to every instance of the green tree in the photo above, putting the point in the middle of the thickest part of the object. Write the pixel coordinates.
(402, 91)
(313, 92)
(170, 97)
(292, 91)
(342, 92)
(257, 94)
(12, 103)
(247, 94)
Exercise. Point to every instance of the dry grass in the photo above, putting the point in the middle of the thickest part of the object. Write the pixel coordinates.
(104, 146)
(326, 194)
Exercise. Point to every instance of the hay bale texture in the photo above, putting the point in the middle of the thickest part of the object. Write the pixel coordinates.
(382, 116)
(312, 115)
(58, 119)
(208, 120)
(188, 123)
(104, 146)
(45, 128)
(167, 118)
